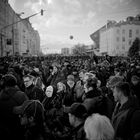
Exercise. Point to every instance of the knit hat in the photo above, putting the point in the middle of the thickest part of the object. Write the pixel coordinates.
(9, 80)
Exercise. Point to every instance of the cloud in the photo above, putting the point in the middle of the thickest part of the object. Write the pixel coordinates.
(12, 3)
(70, 17)
(50, 1)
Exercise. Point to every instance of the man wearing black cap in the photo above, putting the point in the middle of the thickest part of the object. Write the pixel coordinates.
(77, 114)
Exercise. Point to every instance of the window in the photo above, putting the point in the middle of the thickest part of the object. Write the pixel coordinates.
(123, 39)
(137, 32)
(123, 47)
(130, 42)
(117, 47)
(130, 33)
(118, 39)
(123, 31)
(118, 31)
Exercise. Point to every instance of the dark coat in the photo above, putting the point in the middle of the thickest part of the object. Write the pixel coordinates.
(35, 93)
(97, 103)
(126, 124)
(69, 97)
(9, 98)
(35, 133)
(91, 94)
(54, 79)
(135, 90)
(77, 133)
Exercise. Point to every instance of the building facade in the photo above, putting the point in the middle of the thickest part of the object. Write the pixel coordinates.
(19, 38)
(65, 51)
(117, 38)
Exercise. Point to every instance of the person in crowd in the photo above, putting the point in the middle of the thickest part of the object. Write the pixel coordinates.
(33, 92)
(69, 98)
(48, 104)
(125, 118)
(75, 74)
(55, 76)
(98, 127)
(66, 69)
(79, 88)
(90, 88)
(112, 81)
(135, 86)
(61, 91)
(95, 101)
(18, 73)
(77, 114)
(31, 114)
(10, 96)
(38, 78)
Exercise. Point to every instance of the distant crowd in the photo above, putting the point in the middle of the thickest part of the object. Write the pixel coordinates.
(70, 98)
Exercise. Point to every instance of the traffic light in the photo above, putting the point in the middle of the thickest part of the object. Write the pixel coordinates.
(42, 12)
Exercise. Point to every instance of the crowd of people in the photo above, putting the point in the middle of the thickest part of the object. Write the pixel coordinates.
(70, 98)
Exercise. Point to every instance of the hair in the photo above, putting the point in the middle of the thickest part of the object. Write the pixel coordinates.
(9, 80)
(124, 88)
(64, 86)
(98, 127)
(28, 76)
(91, 82)
(89, 75)
(83, 71)
(113, 80)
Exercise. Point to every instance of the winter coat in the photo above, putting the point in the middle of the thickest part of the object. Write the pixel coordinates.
(91, 94)
(135, 90)
(35, 133)
(69, 97)
(35, 93)
(54, 79)
(79, 89)
(126, 120)
(9, 98)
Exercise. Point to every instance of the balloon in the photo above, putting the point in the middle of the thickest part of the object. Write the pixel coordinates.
(71, 37)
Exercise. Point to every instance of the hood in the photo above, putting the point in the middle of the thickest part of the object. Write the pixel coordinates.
(6, 94)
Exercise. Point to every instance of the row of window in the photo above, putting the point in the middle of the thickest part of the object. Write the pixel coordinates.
(118, 39)
(123, 39)
(123, 47)
(130, 32)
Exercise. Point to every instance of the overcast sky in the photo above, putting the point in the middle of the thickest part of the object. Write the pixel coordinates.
(79, 18)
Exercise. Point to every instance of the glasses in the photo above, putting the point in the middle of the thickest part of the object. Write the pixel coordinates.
(27, 81)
